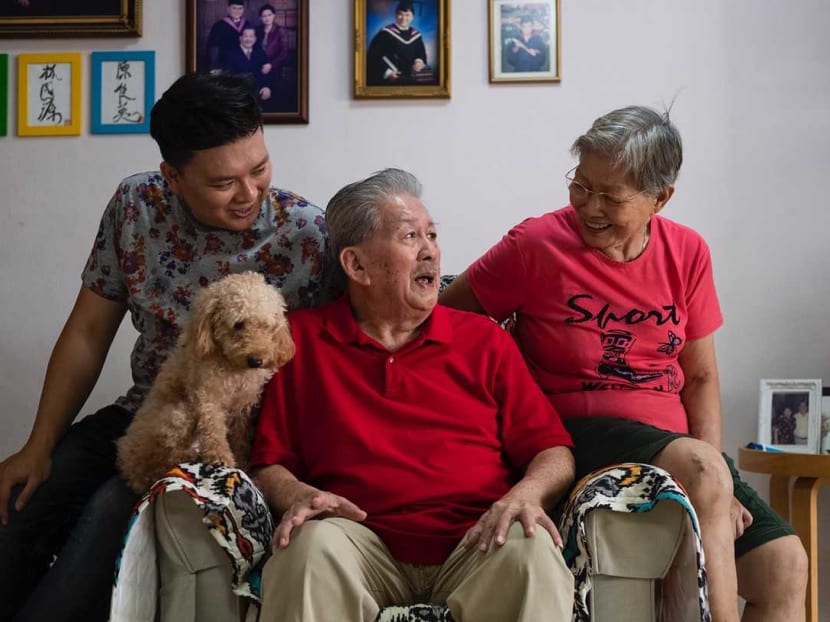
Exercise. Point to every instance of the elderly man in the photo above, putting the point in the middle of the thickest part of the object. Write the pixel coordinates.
(406, 447)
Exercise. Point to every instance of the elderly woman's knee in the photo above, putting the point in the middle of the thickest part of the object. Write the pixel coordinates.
(774, 573)
(788, 564)
(700, 468)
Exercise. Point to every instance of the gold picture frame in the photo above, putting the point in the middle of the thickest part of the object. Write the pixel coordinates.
(79, 18)
(525, 41)
(385, 47)
(49, 94)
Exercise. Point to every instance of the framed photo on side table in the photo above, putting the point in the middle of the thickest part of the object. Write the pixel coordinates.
(49, 94)
(268, 41)
(123, 92)
(525, 41)
(825, 421)
(789, 415)
(70, 18)
(402, 49)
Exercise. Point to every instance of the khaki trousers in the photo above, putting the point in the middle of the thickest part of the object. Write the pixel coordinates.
(195, 573)
(337, 569)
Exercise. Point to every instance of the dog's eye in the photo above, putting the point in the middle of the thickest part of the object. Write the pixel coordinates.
(239, 325)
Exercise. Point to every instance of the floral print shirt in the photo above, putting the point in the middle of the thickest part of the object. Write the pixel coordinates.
(153, 255)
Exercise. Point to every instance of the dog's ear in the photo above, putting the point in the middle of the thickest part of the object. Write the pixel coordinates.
(285, 346)
(200, 329)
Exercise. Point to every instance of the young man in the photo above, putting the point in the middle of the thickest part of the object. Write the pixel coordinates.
(208, 212)
(224, 35)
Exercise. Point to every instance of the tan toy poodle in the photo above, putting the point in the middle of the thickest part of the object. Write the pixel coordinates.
(199, 407)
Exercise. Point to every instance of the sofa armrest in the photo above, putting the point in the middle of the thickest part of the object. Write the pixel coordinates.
(632, 541)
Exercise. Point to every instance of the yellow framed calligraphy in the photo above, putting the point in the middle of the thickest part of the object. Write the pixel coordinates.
(49, 94)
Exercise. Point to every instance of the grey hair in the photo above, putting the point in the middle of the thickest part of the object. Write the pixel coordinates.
(353, 214)
(644, 143)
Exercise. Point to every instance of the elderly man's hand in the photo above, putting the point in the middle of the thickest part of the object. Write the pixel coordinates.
(494, 524)
(317, 503)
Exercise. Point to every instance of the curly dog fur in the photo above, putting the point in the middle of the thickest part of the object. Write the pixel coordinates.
(200, 404)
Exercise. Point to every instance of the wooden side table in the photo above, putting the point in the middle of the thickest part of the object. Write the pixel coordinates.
(801, 509)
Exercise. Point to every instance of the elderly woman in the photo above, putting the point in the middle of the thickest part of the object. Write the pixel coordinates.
(616, 312)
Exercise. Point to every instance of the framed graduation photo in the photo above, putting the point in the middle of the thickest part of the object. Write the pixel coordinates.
(524, 41)
(402, 48)
(267, 41)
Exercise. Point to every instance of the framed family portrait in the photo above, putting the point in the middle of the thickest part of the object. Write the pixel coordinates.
(524, 41)
(789, 415)
(49, 94)
(402, 48)
(265, 40)
(123, 92)
(70, 18)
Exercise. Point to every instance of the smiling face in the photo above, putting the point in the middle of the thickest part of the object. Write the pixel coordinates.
(401, 262)
(224, 186)
(618, 231)
(247, 38)
(403, 19)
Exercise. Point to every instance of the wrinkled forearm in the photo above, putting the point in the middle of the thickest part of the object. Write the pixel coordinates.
(547, 478)
(281, 488)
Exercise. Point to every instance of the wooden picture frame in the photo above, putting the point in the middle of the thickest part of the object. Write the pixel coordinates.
(4, 94)
(789, 415)
(389, 43)
(74, 18)
(49, 94)
(285, 50)
(122, 92)
(524, 41)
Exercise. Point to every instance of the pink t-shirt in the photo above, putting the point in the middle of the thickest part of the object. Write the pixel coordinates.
(602, 337)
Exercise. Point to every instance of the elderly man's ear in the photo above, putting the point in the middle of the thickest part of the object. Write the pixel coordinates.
(352, 261)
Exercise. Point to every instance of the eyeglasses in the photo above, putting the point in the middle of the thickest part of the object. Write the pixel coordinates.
(581, 193)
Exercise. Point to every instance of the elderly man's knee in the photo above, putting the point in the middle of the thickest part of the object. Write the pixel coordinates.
(533, 555)
(315, 543)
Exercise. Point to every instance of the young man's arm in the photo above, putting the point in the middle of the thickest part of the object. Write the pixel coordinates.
(74, 367)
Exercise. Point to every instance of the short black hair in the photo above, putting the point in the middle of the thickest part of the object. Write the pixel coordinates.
(404, 6)
(525, 19)
(242, 2)
(201, 111)
(267, 7)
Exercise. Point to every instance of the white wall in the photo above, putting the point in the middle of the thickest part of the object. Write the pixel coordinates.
(752, 93)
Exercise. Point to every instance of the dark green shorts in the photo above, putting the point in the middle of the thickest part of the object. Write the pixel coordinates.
(602, 441)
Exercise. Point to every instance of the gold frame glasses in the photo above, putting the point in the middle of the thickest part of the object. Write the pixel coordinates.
(583, 193)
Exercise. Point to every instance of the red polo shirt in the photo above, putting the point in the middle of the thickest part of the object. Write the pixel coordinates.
(424, 439)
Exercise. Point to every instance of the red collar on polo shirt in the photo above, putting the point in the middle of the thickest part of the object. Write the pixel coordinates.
(340, 323)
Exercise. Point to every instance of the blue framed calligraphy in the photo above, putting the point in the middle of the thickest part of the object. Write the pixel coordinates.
(123, 92)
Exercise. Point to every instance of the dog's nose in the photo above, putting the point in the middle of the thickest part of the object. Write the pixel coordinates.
(254, 362)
